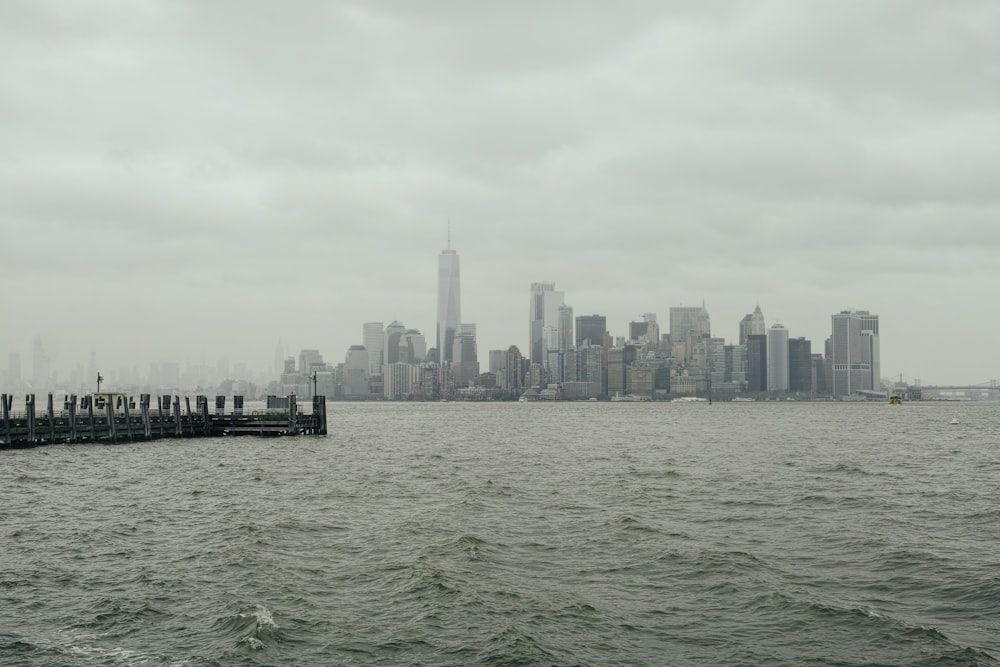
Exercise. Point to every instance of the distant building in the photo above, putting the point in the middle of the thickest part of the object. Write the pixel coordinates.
(356, 372)
(544, 313)
(592, 328)
(800, 366)
(777, 358)
(855, 352)
(449, 302)
(756, 363)
(374, 340)
(752, 325)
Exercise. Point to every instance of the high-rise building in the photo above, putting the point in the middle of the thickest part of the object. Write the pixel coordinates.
(465, 366)
(412, 347)
(390, 353)
(373, 335)
(800, 365)
(544, 313)
(513, 370)
(356, 369)
(752, 324)
(854, 352)
(565, 325)
(756, 363)
(449, 306)
(777, 358)
(592, 328)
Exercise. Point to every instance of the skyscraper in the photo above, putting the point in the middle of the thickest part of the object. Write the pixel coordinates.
(800, 365)
(373, 336)
(855, 352)
(756, 363)
(544, 313)
(449, 310)
(752, 325)
(592, 328)
(777, 358)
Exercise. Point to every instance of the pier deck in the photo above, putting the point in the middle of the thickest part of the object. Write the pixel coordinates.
(110, 421)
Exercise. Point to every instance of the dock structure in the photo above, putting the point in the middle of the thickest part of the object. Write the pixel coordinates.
(112, 418)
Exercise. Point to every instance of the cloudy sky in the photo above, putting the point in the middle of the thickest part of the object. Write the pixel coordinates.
(192, 180)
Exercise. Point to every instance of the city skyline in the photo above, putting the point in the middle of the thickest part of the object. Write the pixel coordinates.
(170, 191)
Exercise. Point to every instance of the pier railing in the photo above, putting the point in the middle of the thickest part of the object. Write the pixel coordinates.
(119, 418)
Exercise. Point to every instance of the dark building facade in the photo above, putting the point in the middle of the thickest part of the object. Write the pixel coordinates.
(756, 363)
(800, 366)
(592, 327)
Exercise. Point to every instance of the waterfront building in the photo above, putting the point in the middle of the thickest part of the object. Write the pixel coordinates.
(800, 366)
(736, 364)
(592, 328)
(854, 352)
(412, 347)
(449, 304)
(390, 347)
(756, 352)
(821, 381)
(752, 325)
(544, 313)
(777, 358)
(373, 337)
(356, 372)
(619, 361)
(397, 380)
(465, 366)
(512, 377)
(565, 326)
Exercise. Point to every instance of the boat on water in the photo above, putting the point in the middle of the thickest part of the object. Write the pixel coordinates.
(744, 399)
(895, 399)
(690, 399)
(630, 398)
(954, 420)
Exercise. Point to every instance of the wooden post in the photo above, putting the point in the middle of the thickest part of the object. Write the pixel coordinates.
(6, 419)
(109, 410)
(128, 420)
(52, 419)
(29, 408)
(160, 400)
(292, 416)
(322, 415)
(147, 430)
(90, 411)
(204, 415)
(72, 418)
(190, 419)
(178, 430)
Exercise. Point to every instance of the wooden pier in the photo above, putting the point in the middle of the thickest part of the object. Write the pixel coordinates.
(111, 418)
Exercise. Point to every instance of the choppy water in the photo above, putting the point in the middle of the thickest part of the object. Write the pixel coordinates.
(517, 534)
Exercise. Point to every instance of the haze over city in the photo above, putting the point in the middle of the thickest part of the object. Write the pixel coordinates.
(190, 181)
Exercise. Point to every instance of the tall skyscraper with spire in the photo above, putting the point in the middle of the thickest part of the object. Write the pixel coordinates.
(449, 313)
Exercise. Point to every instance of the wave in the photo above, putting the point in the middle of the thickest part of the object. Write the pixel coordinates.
(254, 627)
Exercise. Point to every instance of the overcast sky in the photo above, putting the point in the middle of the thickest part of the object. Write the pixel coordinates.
(193, 180)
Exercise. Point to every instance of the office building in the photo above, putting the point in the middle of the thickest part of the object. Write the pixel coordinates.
(373, 337)
(854, 352)
(756, 363)
(592, 328)
(544, 313)
(777, 358)
(449, 313)
(800, 366)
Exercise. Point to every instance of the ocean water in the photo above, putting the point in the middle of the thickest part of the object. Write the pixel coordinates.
(517, 534)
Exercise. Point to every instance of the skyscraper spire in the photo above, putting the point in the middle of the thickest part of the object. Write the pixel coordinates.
(449, 234)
